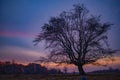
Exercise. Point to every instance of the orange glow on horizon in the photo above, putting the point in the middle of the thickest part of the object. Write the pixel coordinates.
(72, 67)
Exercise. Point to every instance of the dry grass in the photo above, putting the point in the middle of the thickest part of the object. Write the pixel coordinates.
(115, 76)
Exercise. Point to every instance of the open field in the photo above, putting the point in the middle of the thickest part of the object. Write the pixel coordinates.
(115, 76)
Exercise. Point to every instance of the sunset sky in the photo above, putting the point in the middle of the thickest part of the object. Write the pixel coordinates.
(21, 20)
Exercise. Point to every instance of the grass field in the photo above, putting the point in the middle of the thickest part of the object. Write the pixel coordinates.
(61, 77)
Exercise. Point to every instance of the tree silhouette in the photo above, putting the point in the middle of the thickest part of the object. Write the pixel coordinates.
(75, 37)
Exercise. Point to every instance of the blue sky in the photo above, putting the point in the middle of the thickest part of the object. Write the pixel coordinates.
(21, 20)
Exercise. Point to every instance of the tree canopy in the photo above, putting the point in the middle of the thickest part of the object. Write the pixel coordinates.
(75, 37)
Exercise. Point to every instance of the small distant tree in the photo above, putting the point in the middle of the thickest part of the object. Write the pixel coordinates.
(65, 70)
(75, 37)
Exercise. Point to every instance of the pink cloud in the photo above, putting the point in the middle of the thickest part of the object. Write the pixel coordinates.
(16, 34)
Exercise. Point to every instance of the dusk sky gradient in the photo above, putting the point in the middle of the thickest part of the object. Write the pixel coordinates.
(21, 20)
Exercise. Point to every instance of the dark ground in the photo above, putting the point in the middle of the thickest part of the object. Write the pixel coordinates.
(111, 76)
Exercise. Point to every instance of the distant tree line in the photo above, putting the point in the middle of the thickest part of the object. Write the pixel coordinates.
(31, 68)
(110, 70)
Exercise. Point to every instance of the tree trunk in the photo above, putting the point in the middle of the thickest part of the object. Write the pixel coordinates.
(81, 70)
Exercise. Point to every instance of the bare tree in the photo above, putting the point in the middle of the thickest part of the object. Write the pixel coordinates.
(75, 37)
